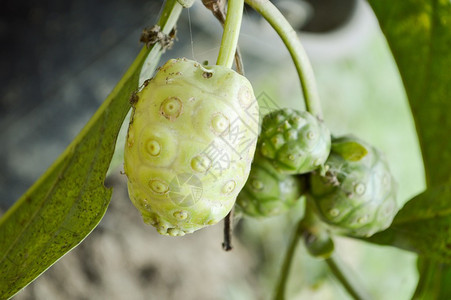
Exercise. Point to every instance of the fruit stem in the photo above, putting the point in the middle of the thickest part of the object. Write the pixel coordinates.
(217, 7)
(152, 52)
(289, 255)
(297, 52)
(342, 273)
(231, 33)
(169, 16)
(336, 266)
(307, 224)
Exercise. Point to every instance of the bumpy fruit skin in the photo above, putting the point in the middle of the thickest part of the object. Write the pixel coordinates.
(268, 192)
(190, 144)
(358, 197)
(295, 141)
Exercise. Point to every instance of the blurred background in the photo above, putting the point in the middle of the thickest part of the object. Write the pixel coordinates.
(58, 62)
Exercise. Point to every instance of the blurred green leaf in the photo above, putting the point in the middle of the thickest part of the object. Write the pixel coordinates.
(70, 199)
(419, 35)
(423, 225)
(434, 281)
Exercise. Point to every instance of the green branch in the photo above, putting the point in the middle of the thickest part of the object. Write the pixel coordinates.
(231, 33)
(297, 52)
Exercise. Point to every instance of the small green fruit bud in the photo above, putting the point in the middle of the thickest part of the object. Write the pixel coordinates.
(295, 141)
(358, 196)
(267, 192)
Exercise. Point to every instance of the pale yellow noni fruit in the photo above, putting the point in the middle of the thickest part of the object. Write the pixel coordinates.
(190, 144)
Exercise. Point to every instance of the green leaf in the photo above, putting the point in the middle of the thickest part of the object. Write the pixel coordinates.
(423, 225)
(434, 280)
(69, 200)
(419, 35)
(349, 150)
(66, 203)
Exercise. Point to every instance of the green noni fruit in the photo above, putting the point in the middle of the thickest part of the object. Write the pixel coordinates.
(268, 192)
(356, 191)
(190, 144)
(295, 141)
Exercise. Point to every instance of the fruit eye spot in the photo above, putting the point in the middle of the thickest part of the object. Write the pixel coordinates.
(359, 188)
(181, 215)
(200, 163)
(229, 187)
(386, 180)
(265, 150)
(151, 220)
(153, 147)
(334, 212)
(292, 134)
(277, 140)
(257, 184)
(245, 97)
(280, 118)
(219, 123)
(171, 108)
(286, 125)
(158, 186)
(298, 122)
(175, 232)
(311, 135)
(362, 220)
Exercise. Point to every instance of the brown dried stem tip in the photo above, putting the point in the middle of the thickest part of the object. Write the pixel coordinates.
(217, 8)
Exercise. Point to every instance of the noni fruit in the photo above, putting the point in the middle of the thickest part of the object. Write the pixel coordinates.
(190, 144)
(295, 141)
(355, 191)
(268, 192)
